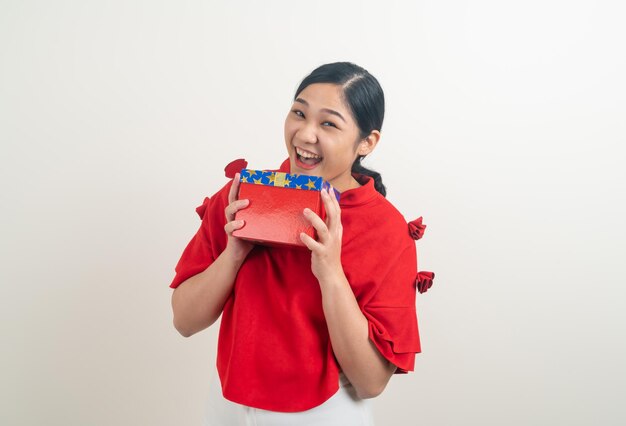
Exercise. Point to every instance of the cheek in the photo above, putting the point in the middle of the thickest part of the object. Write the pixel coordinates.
(289, 129)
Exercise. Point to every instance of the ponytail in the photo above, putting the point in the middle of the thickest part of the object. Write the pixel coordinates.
(378, 180)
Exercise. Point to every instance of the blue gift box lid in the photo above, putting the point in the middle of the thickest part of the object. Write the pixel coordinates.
(285, 180)
(281, 179)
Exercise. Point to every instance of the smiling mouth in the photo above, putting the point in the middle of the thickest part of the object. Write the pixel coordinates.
(307, 158)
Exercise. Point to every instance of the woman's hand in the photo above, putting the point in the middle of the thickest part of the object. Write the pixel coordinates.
(326, 252)
(237, 247)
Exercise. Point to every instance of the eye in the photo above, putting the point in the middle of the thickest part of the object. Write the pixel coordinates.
(329, 124)
(298, 112)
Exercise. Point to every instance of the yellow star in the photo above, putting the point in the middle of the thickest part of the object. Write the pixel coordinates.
(252, 173)
(257, 181)
(271, 178)
(244, 179)
(298, 186)
(311, 184)
(287, 182)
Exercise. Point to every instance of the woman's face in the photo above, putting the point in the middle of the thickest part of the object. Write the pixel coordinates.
(321, 135)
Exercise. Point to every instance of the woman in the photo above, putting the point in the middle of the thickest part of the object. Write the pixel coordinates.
(307, 335)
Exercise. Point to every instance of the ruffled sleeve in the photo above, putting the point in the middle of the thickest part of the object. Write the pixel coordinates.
(391, 313)
(424, 281)
(235, 167)
(201, 209)
(416, 228)
(208, 242)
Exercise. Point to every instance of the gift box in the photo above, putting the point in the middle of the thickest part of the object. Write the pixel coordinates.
(277, 200)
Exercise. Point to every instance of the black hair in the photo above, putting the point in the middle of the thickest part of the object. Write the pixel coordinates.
(365, 98)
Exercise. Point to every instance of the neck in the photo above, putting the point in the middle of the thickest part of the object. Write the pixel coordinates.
(346, 184)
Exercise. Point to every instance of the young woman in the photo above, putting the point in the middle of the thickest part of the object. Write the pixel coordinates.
(307, 336)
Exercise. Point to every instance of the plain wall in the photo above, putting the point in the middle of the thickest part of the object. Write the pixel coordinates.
(505, 130)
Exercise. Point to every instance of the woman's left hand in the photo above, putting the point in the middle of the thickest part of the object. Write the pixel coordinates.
(326, 252)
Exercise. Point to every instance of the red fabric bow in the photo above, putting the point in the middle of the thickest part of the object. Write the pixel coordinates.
(416, 228)
(235, 167)
(201, 209)
(424, 281)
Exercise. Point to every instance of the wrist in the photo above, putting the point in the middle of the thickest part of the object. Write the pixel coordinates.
(235, 256)
(335, 278)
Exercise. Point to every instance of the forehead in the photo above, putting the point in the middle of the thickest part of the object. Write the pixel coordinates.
(325, 95)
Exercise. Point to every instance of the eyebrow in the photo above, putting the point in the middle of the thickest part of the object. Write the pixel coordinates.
(327, 110)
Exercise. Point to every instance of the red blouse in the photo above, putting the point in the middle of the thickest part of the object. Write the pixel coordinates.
(274, 351)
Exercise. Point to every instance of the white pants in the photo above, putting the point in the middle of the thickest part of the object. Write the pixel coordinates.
(344, 408)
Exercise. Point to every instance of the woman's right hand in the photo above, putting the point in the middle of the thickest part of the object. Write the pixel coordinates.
(237, 247)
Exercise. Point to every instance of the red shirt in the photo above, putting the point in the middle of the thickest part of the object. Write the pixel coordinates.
(274, 351)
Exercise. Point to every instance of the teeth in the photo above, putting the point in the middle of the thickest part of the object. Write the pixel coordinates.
(306, 154)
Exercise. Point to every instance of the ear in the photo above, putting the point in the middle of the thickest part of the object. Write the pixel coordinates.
(368, 144)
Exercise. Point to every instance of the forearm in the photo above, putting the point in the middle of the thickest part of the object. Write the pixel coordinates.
(361, 362)
(198, 301)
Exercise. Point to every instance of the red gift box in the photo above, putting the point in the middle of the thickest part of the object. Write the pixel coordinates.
(277, 201)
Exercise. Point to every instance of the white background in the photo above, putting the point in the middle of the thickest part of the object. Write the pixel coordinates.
(505, 130)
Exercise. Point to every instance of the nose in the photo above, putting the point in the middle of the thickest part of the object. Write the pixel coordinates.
(307, 133)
